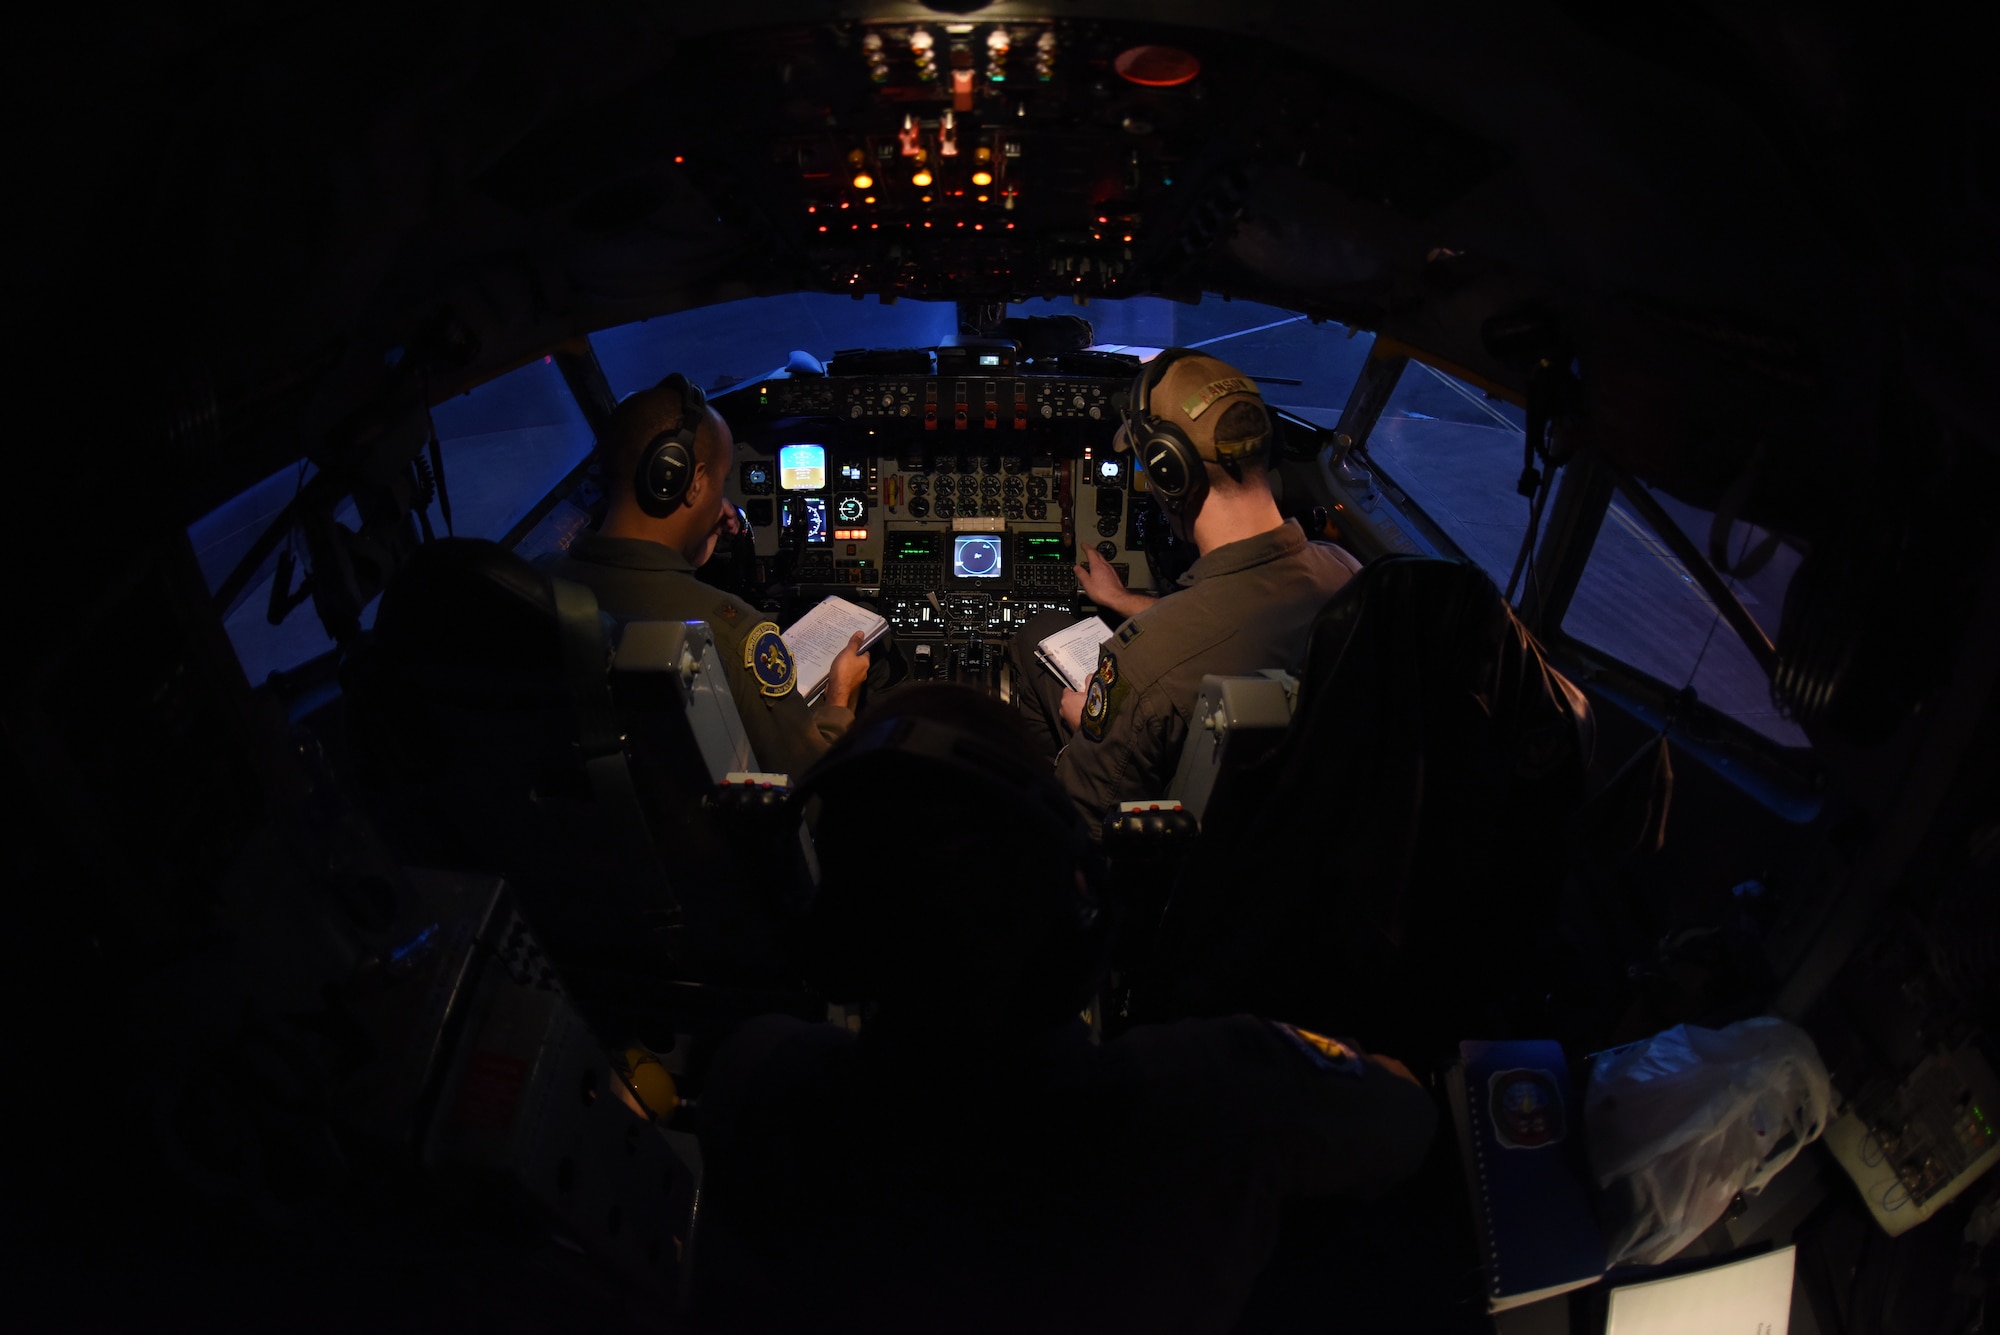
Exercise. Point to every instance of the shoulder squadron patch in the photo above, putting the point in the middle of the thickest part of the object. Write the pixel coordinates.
(769, 661)
(1329, 1054)
(1098, 699)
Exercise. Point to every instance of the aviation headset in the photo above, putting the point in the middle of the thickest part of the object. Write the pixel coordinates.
(979, 769)
(667, 463)
(1170, 458)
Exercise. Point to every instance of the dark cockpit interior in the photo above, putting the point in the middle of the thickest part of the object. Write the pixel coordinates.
(392, 913)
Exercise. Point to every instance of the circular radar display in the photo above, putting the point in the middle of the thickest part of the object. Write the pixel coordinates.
(976, 558)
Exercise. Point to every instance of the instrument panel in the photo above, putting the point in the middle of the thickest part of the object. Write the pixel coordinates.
(956, 499)
(946, 404)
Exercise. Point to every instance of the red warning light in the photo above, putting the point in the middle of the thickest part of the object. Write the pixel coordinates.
(1157, 66)
(678, 159)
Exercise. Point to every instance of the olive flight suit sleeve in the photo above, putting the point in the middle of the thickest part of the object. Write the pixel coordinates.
(1134, 715)
(785, 735)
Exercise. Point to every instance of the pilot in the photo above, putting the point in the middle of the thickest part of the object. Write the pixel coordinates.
(1202, 434)
(971, 1159)
(665, 455)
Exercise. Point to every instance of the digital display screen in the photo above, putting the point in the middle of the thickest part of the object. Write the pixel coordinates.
(850, 472)
(914, 547)
(1043, 548)
(975, 556)
(757, 475)
(802, 468)
(1108, 470)
(989, 359)
(814, 508)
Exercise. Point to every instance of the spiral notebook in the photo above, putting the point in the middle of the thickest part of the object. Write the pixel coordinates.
(1517, 1133)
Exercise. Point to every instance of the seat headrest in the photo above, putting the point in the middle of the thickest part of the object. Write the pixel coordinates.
(469, 602)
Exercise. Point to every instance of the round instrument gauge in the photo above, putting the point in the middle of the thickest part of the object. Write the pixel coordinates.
(851, 509)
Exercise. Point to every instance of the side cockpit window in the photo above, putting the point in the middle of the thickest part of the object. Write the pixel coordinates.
(505, 444)
(1639, 604)
(1456, 451)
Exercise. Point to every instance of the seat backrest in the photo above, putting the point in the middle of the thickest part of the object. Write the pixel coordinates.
(500, 735)
(1390, 859)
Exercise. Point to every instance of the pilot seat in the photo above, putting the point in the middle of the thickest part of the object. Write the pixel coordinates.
(1390, 868)
(505, 725)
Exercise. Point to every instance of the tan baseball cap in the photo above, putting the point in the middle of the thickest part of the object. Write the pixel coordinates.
(1217, 406)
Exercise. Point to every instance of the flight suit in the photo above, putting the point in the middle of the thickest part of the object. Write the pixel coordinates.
(925, 1181)
(1243, 607)
(636, 579)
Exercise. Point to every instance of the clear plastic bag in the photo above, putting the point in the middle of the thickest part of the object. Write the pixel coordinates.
(1682, 1122)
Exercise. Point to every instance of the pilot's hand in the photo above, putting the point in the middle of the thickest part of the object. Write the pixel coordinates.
(850, 669)
(1102, 586)
(1072, 709)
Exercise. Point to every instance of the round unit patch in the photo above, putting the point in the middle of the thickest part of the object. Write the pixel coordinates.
(769, 661)
(1096, 702)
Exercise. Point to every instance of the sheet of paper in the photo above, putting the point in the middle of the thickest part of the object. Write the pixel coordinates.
(1751, 1297)
(816, 638)
(1073, 652)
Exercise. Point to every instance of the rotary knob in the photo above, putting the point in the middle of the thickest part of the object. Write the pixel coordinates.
(1095, 412)
(1048, 410)
(855, 411)
(1079, 400)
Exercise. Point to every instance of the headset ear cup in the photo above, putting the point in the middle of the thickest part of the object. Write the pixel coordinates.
(664, 472)
(1166, 468)
(1174, 466)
